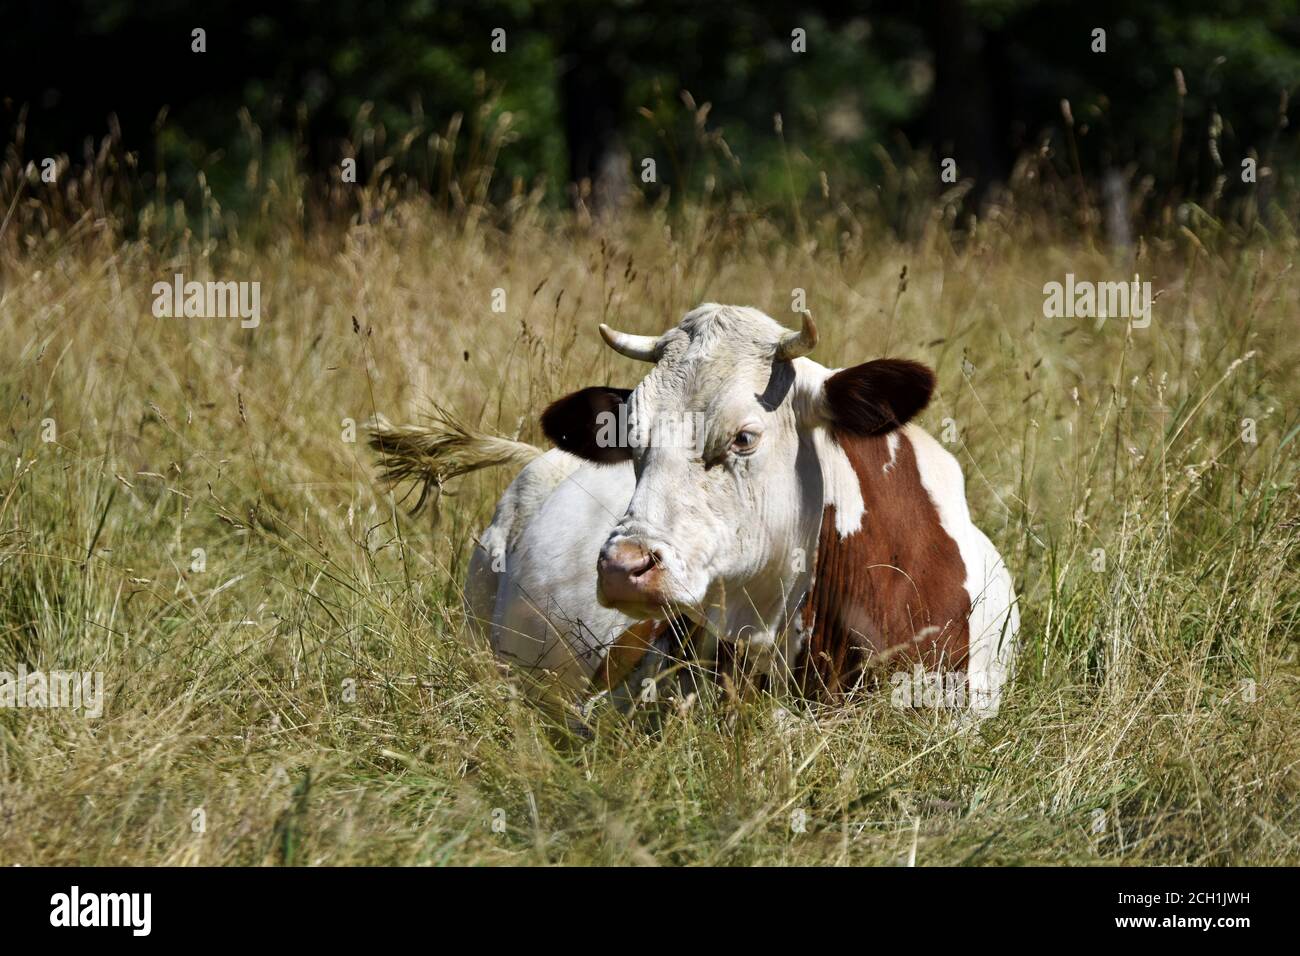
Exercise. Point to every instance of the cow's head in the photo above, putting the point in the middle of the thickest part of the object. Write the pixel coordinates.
(720, 435)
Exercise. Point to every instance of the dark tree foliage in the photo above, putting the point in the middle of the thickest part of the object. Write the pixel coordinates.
(592, 86)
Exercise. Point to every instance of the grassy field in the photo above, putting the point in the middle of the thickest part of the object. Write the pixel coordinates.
(188, 507)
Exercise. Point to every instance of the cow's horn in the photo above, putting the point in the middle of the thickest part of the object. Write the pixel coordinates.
(795, 344)
(642, 347)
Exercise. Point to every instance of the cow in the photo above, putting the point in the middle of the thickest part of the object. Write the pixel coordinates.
(744, 492)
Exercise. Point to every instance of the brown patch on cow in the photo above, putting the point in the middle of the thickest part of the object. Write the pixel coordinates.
(893, 590)
(626, 653)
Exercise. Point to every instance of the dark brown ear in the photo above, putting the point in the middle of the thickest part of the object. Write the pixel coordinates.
(876, 397)
(586, 423)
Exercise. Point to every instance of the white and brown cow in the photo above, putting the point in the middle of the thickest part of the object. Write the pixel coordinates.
(802, 516)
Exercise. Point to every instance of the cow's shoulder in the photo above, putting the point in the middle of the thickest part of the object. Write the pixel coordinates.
(894, 588)
(939, 471)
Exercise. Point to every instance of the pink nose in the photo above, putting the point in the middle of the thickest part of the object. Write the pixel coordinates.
(628, 573)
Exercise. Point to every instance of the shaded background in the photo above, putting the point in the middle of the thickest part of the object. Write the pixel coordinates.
(593, 88)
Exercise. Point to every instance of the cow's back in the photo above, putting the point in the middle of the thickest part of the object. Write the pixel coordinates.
(533, 573)
(514, 510)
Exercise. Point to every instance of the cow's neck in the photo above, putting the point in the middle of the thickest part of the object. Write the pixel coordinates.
(761, 615)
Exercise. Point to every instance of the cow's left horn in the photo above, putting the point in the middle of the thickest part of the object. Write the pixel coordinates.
(642, 347)
(795, 344)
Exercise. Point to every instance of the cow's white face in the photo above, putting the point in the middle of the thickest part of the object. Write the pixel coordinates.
(717, 502)
(720, 434)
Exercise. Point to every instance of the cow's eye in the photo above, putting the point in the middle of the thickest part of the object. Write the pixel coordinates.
(745, 441)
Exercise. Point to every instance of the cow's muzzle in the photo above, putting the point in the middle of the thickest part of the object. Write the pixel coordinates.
(631, 576)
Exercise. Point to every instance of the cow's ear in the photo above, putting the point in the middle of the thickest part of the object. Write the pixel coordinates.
(876, 397)
(586, 423)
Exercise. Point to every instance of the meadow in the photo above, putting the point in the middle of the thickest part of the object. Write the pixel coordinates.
(189, 508)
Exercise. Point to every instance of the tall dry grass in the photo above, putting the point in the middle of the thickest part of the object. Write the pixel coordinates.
(303, 689)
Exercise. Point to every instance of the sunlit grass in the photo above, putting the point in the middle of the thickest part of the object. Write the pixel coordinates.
(298, 680)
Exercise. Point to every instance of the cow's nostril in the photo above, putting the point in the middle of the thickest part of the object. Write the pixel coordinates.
(629, 573)
(629, 561)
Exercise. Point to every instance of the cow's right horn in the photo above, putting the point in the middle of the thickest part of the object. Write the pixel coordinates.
(795, 344)
(642, 347)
